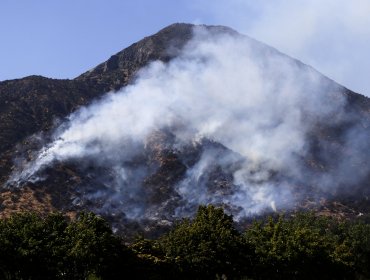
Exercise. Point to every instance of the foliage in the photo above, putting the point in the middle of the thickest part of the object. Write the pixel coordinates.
(358, 239)
(32, 247)
(207, 246)
(302, 246)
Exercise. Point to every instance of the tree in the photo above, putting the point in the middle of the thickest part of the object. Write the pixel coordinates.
(207, 246)
(32, 247)
(302, 247)
(95, 250)
(358, 238)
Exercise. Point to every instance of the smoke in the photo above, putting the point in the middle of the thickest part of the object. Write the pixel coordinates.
(244, 109)
(331, 35)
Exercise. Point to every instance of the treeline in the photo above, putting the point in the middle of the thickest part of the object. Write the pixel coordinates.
(206, 247)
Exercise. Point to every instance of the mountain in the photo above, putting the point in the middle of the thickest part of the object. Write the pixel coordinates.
(332, 162)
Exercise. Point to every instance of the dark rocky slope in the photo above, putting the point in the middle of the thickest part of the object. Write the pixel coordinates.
(35, 105)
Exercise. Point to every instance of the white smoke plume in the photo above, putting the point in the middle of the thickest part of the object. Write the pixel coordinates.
(330, 35)
(227, 88)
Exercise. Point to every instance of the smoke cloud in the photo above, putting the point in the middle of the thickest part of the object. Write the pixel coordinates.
(331, 35)
(257, 104)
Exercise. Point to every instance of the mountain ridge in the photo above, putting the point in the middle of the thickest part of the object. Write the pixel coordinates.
(36, 105)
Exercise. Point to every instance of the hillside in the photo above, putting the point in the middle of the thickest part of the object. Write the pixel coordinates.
(332, 163)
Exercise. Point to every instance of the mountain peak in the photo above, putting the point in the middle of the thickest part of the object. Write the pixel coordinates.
(179, 29)
(120, 67)
(163, 45)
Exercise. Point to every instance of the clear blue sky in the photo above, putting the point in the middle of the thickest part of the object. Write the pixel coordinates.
(64, 38)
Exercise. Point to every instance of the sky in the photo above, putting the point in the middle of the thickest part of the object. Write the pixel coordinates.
(64, 38)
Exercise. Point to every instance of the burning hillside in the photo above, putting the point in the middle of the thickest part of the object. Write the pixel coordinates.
(205, 116)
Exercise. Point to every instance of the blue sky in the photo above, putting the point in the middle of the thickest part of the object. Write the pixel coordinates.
(64, 38)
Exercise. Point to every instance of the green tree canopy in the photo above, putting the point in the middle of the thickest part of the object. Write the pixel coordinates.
(207, 246)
